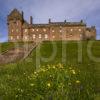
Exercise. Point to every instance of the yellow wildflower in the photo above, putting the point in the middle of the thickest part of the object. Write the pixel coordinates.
(77, 81)
(70, 68)
(35, 72)
(54, 67)
(31, 84)
(73, 71)
(48, 84)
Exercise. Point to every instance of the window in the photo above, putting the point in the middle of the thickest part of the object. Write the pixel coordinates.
(53, 31)
(26, 38)
(17, 37)
(71, 35)
(39, 35)
(12, 30)
(16, 30)
(33, 30)
(44, 30)
(80, 35)
(53, 36)
(46, 36)
(37, 30)
(25, 30)
(17, 23)
(80, 30)
(34, 36)
(71, 30)
(11, 37)
(60, 31)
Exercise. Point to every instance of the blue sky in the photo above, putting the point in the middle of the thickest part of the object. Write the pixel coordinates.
(57, 10)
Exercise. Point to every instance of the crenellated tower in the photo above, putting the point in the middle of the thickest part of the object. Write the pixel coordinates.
(15, 21)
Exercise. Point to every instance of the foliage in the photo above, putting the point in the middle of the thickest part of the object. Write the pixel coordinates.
(51, 82)
(16, 80)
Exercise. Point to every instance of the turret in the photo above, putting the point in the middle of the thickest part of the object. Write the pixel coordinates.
(31, 20)
(49, 20)
(15, 21)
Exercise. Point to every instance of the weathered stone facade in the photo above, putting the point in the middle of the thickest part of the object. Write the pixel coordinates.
(21, 30)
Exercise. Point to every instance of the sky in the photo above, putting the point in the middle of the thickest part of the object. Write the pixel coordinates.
(57, 10)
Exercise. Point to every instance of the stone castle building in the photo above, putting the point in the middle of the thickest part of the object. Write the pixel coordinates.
(20, 30)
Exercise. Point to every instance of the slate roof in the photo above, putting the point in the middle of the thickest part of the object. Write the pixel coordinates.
(15, 14)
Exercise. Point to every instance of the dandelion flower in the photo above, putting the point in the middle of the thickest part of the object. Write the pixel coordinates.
(73, 71)
(31, 84)
(35, 72)
(48, 84)
(54, 67)
(77, 81)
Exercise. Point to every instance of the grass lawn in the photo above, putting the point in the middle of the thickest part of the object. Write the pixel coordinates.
(15, 78)
(9, 45)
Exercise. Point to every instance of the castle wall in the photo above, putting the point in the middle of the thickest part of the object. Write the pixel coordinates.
(20, 30)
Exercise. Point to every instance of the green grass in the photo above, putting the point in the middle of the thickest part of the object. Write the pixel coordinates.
(9, 45)
(14, 76)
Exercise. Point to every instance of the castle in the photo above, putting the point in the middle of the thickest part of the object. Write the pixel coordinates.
(20, 30)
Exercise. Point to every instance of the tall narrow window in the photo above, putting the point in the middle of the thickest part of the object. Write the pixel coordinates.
(53, 36)
(53, 31)
(26, 30)
(44, 30)
(60, 31)
(17, 37)
(46, 36)
(33, 30)
(71, 30)
(39, 35)
(34, 36)
(11, 37)
(37, 30)
(16, 30)
(26, 37)
(12, 30)
(79, 30)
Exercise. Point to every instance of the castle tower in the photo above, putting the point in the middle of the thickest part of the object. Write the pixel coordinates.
(15, 21)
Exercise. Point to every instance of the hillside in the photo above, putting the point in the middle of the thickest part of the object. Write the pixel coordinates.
(12, 73)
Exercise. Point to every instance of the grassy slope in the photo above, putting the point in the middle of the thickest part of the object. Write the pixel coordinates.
(29, 64)
(9, 45)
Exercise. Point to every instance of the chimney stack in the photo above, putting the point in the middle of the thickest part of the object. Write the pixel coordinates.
(49, 20)
(65, 21)
(31, 20)
(22, 15)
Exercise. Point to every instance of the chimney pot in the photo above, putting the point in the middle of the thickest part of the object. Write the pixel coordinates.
(31, 20)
